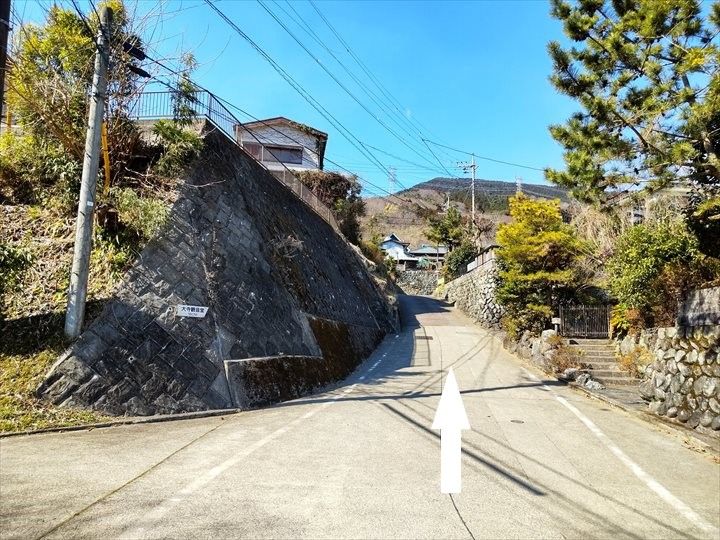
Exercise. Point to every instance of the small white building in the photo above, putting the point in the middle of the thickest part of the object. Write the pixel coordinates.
(280, 142)
(396, 249)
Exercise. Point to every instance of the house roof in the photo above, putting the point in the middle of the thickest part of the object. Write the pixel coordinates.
(285, 121)
(424, 249)
(392, 237)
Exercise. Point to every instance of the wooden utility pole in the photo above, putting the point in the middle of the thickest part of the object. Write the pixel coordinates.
(83, 232)
(4, 32)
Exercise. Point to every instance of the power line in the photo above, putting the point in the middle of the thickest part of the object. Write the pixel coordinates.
(300, 90)
(418, 165)
(484, 158)
(438, 159)
(338, 82)
(391, 99)
(303, 24)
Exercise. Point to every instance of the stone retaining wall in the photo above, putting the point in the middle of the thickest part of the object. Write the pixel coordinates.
(422, 282)
(474, 293)
(683, 380)
(277, 281)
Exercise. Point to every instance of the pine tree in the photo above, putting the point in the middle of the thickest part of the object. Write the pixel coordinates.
(448, 230)
(645, 73)
(538, 258)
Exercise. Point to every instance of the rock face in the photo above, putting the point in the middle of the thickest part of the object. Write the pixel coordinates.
(683, 381)
(422, 282)
(278, 282)
(474, 293)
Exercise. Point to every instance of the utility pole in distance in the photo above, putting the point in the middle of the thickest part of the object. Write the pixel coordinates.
(4, 31)
(83, 232)
(465, 167)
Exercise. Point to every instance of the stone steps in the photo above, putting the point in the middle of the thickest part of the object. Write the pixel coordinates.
(599, 365)
(601, 357)
(618, 381)
(598, 373)
(597, 356)
(587, 345)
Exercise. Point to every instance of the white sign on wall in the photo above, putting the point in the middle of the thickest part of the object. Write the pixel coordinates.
(190, 311)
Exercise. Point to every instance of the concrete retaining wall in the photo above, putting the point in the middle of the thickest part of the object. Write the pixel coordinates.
(267, 267)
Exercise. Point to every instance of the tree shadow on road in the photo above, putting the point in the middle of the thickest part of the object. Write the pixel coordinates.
(534, 488)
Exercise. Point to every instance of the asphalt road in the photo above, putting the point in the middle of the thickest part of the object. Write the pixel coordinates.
(361, 461)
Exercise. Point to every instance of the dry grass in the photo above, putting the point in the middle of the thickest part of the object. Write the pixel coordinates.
(32, 332)
(564, 357)
(635, 361)
(20, 410)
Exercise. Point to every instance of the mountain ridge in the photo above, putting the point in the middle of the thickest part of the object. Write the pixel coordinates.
(405, 212)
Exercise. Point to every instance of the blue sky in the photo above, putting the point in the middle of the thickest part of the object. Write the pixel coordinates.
(474, 75)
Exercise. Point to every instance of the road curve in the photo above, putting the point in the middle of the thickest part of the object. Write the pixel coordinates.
(361, 461)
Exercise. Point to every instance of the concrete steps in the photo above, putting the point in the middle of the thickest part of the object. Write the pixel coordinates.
(597, 356)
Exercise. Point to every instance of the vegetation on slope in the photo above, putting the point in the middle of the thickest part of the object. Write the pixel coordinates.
(429, 199)
(39, 188)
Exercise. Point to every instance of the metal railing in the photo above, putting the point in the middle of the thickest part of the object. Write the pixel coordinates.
(160, 105)
(585, 321)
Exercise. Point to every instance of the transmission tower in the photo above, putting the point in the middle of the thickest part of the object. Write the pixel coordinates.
(392, 180)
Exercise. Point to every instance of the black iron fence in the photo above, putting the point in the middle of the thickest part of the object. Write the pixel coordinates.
(585, 321)
(159, 105)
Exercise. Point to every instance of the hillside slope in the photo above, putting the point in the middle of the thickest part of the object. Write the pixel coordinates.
(408, 218)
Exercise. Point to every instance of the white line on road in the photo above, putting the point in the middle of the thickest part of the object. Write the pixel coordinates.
(638, 471)
(168, 504)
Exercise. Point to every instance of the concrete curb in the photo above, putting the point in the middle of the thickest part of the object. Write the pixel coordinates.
(124, 422)
(706, 441)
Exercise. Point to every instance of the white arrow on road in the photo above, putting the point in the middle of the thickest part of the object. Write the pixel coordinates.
(450, 419)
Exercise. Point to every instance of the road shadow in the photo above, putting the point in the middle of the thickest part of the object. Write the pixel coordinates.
(35, 333)
(412, 306)
(494, 463)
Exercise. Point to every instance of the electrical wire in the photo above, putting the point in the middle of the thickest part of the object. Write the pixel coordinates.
(372, 95)
(483, 157)
(300, 90)
(391, 99)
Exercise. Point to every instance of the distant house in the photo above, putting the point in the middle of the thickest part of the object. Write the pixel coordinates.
(434, 254)
(395, 248)
(641, 206)
(423, 256)
(280, 142)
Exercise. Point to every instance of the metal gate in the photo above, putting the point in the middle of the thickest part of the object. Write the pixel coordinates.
(585, 321)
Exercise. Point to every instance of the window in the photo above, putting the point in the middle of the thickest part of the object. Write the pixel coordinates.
(254, 149)
(283, 154)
